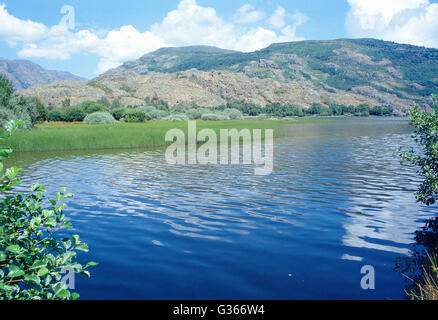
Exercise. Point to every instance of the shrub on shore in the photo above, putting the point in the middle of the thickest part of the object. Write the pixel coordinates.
(90, 107)
(100, 118)
(210, 117)
(234, 114)
(15, 106)
(425, 157)
(118, 113)
(74, 114)
(32, 258)
(135, 116)
(55, 115)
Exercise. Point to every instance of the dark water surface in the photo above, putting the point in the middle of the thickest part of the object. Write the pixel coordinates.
(338, 200)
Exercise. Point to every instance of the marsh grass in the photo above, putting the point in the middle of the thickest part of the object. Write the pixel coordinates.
(427, 287)
(58, 136)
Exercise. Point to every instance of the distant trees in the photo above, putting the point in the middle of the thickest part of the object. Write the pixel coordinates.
(17, 107)
(75, 113)
(316, 109)
(5, 90)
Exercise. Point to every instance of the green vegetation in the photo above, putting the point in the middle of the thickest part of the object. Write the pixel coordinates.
(76, 136)
(317, 109)
(135, 116)
(100, 118)
(14, 106)
(76, 113)
(426, 136)
(425, 268)
(415, 64)
(32, 259)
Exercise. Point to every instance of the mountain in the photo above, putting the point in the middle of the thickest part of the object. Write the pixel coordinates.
(345, 71)
(25, 74)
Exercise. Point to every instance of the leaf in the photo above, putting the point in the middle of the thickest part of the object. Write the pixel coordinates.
(82, 247)
(11, 173)
(13, 249)
(85, 273)
(75, 296)
(63, 294)
(75, 238)
(66, 243)
(66, 225)
(51, 222)
(3, 256)
(38, 264)
(5, 152)
(38, 188)
(10, 126)
(67, 257)
(91, 264)
(15, 272)
(43, 271)
(33, 278)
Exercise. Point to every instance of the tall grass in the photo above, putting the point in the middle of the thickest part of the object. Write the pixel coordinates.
(427, 287)
(79, 136)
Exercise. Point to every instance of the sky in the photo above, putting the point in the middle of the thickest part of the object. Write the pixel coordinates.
(89, 37)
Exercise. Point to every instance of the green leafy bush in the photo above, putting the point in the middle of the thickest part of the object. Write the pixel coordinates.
(90, 107)
(74, 114)
(6, 115)
(135, 116)
(234, 114)
(158, 114)
(118, 113)
(55, 115)
(99, 118)
(426, 136)
(32, 259)
(194, 114)
(211, 117)
(27, 108)
(362, 110)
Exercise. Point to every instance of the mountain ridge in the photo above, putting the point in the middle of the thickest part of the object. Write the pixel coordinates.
(25, 74)
(343, 71)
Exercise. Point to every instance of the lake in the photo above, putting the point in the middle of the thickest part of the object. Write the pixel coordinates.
(338, 200)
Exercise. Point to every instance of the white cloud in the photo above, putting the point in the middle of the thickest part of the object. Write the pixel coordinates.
(278, 19)
(405, 21)
(189, 24)
(247, 14)
(280, 16)
(14, 30)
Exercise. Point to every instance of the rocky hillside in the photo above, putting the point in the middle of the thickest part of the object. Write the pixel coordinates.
(348, 72)
(25, 74)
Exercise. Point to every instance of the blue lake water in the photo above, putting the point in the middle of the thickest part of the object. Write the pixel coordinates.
(338, 199)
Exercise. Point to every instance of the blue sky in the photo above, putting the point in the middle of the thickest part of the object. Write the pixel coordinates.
(107, 33)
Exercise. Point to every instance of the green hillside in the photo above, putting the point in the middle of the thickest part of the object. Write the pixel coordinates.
(414, 69)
